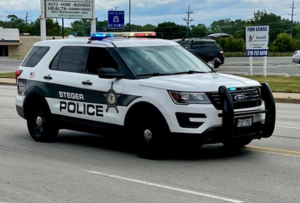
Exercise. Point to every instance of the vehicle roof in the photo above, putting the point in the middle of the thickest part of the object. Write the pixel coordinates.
(110, 42)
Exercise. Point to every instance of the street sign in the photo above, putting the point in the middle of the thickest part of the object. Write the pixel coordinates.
(116, 20)
(69, 9)
(257, 41)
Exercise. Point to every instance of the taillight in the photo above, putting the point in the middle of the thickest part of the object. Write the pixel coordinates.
(222, 53)
(295, 53)
(18, 73)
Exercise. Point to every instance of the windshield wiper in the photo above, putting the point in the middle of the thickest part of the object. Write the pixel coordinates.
(191, 72)
(154, 74)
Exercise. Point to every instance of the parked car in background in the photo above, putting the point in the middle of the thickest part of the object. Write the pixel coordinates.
(206, 49)
(296, 57)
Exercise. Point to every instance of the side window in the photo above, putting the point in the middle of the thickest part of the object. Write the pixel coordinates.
(198, 45)
(185, 44)
(69, 59)
(210, 44)
(35, 56)
(99, 58)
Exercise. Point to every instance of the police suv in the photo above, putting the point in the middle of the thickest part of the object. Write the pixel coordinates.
(151, 89)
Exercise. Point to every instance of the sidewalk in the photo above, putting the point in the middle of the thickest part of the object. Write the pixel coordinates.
(293, 98)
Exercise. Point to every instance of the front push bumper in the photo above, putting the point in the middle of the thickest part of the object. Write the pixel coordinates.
(258, 130)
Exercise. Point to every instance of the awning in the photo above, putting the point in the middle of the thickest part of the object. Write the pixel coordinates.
(4, 43)
(9, 37)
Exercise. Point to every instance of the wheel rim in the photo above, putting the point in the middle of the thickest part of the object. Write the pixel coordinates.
(148, 135)
(38, 122)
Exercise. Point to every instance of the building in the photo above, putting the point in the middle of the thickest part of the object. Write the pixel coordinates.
(9, 39)
(14, 46)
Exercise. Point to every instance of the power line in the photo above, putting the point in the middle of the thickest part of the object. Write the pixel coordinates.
(188, 20)
(292, 20)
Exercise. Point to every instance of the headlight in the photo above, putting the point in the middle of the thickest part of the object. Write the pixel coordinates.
(185, 98)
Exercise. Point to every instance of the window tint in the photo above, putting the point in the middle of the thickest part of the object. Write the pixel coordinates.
(99, 58)
(70, 59)
(204, 44)
(35, 56)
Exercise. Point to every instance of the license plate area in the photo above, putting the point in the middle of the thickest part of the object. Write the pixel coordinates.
(244, 122)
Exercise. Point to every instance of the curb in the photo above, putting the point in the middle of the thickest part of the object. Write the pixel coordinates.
(8, 83)
(277, 100)
(287, 100)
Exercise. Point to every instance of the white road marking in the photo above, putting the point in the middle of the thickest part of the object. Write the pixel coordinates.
(165, 187)
(295, 128)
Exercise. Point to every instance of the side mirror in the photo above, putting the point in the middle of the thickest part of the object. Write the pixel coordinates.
(217, 63)
(110, 73)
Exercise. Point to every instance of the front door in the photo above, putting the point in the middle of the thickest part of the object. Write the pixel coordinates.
(104, 94)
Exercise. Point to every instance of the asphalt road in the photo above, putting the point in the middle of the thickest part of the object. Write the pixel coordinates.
(9, 65)
(276, 66)
(87, 168)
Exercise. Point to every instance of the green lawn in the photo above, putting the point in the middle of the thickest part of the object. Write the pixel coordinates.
(7, 75)
(280, 84)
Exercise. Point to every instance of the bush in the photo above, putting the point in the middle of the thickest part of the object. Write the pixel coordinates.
(232, 44)
(283, 42)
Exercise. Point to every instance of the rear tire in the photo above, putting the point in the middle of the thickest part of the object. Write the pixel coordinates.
(237, 144)
(41, 124)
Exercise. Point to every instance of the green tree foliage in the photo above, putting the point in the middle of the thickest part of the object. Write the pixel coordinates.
(231, 44)
(170, 30)
(283, 42)
(199, 31)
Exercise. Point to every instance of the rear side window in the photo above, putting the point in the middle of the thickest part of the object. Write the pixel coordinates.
(69, 59)
(35, 56)
(204, 44)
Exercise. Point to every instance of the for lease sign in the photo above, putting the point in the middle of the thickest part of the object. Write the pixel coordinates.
(74, 9)
(257, 41)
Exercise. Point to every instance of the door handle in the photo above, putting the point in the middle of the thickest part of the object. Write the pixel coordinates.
(87, 82)
(47, 77)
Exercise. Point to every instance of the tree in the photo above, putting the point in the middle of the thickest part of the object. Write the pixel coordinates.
(199, 31)
(283, 42)
(232, 44)
(170, 30)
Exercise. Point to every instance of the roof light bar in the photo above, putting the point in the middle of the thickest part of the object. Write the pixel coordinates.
(100, 36)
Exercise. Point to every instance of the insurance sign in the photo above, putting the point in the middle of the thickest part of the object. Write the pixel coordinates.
(257, 41)
(69, 9)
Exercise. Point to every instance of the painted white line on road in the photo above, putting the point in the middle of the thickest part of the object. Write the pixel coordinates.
(295, 128)
(166, 187)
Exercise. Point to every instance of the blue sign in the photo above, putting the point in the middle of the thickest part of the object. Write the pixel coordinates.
(116, 20)
(257, 53)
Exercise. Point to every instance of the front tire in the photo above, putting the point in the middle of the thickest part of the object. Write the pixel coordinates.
(41, 125)
(237, 144)
(150, 133)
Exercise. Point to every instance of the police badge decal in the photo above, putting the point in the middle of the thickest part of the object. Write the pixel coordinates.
(111, 98)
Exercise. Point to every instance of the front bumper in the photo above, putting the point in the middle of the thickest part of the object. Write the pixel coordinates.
(222, 126)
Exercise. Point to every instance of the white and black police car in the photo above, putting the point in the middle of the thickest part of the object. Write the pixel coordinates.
(151, 89)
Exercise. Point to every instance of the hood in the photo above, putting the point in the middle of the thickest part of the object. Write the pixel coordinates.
(208, 82)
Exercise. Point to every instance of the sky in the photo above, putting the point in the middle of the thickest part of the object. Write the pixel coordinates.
(157, 11)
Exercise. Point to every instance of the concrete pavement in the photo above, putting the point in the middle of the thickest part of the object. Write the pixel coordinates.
(81, 167)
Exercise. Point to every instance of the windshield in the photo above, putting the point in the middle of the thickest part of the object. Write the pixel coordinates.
(162, 60)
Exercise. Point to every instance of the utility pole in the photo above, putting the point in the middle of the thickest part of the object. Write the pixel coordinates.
(129, 15)
(188, 21)
(27, 18)
(292, 20)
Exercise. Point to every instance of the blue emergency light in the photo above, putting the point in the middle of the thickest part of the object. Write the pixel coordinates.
(100, 36)
(232, 89)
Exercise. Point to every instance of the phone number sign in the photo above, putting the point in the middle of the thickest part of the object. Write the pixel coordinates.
(257, 41)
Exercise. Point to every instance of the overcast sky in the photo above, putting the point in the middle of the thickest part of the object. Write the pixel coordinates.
(156, 11)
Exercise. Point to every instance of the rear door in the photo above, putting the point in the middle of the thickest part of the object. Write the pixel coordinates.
(207, 50)
(61, 82)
